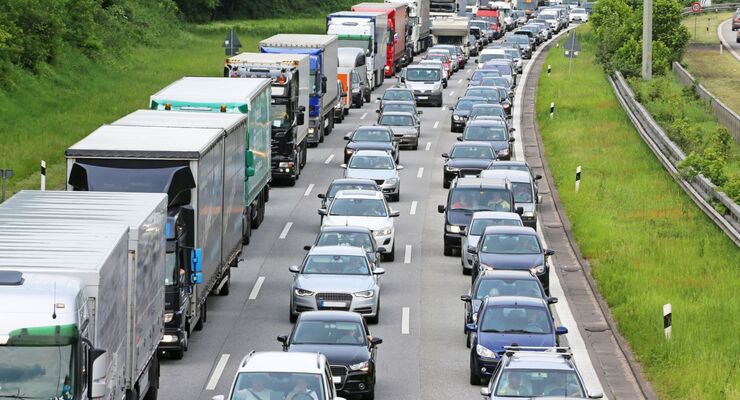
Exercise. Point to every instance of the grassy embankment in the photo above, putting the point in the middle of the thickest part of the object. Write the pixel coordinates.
(719, 73)
(45, 114)
(647, 242)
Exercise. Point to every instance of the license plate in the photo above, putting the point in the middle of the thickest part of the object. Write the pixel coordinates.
(423, 97)
(333, 304)
(336, 379)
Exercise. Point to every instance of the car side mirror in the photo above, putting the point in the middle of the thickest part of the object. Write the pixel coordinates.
(283, 339)
(466, 298)
(343, 166)
(549, 252)
(323, 211)
(381, 250)
(476, 61)
(452, 108)
(552, 300)
(537, 177)
(595, 395)
(512, 140)
(348, 136)
(395, 214)
(520, 210)
(379, 99)
(561, 330)
(445, 155)
(379, 271)
(321, 195)
(377, 111)
(472, 250)
(399, 167)
(441, 209)
(376, 341)
(307, 247)
(471, 328)
(484, 391)
(294, 269)
(512, 129)
(403, 80)
(419, 112)
(459, 139)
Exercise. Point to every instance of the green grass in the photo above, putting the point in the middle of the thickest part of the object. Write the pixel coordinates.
(647, 242)
(720, 74)
(704, 20)
(46, 114)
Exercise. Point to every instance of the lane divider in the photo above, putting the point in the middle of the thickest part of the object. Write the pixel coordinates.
(420, 173)
(308, 190)
(328, 160)
(405, 316)
(413, 207)
(407, 255)
(256, 289)
(285, 231)
(217, 372)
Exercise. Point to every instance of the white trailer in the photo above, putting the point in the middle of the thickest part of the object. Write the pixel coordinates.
(367, 31)
(452, 30)
(81, 274)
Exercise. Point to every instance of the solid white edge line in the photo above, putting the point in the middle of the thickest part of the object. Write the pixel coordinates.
(420, 173)
(217, 372)
(429, 146)
(256, 289)
(413, 207)
(285, 231)
(308, 190)
(407, 255)
(328, 160)
(405, 314)
(436, 124)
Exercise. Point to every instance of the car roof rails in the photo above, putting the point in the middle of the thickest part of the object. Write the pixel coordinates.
(564, 351)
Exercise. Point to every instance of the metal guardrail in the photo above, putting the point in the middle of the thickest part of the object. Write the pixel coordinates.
(717, 7)
(726, 116)
(700, 189)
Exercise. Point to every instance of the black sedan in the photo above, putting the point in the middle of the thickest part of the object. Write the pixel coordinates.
(371, 138)
(495, 132)
(461, 111)
(343, 337)
(467, 158)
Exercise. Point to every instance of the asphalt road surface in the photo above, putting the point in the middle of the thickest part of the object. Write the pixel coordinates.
(730, 37)
(423, 355)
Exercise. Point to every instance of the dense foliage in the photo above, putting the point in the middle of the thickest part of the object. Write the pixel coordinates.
(204, 10)
(618, 28)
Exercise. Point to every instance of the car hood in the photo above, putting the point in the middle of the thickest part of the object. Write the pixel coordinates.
(403, 130)
(528, 207)
(337, 354)
(371, 173)
(335, 283)
(469, 163)
(372, 223)
(496, 341)
(423, 85)
(512, 261)
(370, 146)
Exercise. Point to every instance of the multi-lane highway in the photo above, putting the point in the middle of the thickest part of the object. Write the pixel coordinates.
(423, 355)
(729, 37)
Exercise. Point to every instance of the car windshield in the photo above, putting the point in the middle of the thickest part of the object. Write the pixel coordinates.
(513, 167)
(480, 74)
(505, 243)
(37, 371)
(517, 39)
(371, 135)
(488, 94)
(274, 385)
(492, 56)
(522, 192)
(422, 74)
(439, 57)
(398, 95)
(336, 265)
(396, 120)
(516, 319)
(477, 226)
(489, 287)
(539, 383)
(359, 208)
(370, 162)
(478, 152)
(352, 239)
(472, 199)
(409, 108)
(486, 133)
(504, 69)
(492, 111)
(466, 105)
(329, 332)
(333, 189)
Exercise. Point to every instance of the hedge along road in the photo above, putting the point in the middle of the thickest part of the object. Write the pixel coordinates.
(646, 241)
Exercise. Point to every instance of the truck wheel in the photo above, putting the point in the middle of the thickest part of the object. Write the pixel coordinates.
(259, 215)
(304, 156)
(321, 134)
(202, 321)
(367, 97)
(152, 393)
(330, 127)
(247, 227)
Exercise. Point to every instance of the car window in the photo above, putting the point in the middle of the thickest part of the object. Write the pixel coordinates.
(516, 319)
(471, 199)
(334, 188)
(493, 111)
(479, 152)
(522, 192)
(489, 94)
(422, 74)
(335, 265)
(359, 208)
(504, 243)
(465, 105)
(508, 287)
(399, 108)
(539, 383)
(491, 56)
(352, 239)
(371, 135)
(370, 162)
(479, 225)
(398, 95)
(513, 167)
(492, 133)
(396, 120)
(271, 385)
(322, 332)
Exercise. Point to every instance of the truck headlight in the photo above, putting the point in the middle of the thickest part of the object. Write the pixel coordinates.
(363, 366)
(538, 270)
(366, 294)
(168, 317)
(286, 164)
(453, 228)
(484, 351)
(303, 292)
(311, 131)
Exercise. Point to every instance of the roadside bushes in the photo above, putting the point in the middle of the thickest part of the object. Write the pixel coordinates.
(618, 29)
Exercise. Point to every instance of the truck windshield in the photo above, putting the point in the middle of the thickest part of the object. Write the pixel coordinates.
(37, 372)
(280, 116)
(451, 40)
(363, 44)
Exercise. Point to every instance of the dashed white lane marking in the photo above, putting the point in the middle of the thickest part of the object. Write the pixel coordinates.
(405, 315)
(363, 116)
(285, 231)
(444, 108)
(413, 207)
(308, 190)
(256, 289)
(452, 93)
(328, 159)
(429, 146)
(459, 81)
(407, 255)
(420, 173)
(217, 372)
(436, 124)
(468, 70)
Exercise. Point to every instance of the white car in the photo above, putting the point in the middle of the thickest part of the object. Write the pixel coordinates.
(438, 63)
(379, 166)
(478, 224)
(364, 208)
(270, 374)
(578, 15)
(490, 55)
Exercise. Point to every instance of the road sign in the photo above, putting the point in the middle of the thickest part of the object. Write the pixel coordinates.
(572, 46)
(232, 44)
(695, 7)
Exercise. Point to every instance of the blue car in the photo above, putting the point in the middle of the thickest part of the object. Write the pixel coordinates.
(508, 321)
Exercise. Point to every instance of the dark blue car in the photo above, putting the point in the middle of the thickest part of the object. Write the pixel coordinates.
(508, 321)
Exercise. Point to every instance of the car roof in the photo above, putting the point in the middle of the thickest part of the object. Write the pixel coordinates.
(471, 98)
(510, 174)
(358, 194)
(336, 251)
(540, 360)
(512, 230)
(401, 113)
(513, 300)
(330, 316)
(380, 127)
(282, 361)
(353, 180)
(371, 153)
(472, 143)
(492, 51)
(495, 215)
(486, 122)
(506, 274)
(343, 228)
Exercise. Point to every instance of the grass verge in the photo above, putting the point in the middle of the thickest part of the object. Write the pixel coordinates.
(647, 242)
(719, 73)
(47, 113)
(706, 26)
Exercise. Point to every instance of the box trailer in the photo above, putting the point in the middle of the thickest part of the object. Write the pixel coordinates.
(398, 56)
(419, 24)
(367, 31)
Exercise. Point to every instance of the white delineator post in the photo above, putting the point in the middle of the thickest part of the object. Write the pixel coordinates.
(667, 320)
(578, 178)
(552, 109)
(43, 175)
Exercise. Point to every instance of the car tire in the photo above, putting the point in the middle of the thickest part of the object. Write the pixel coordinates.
(368, 97)
(395, 197)
(390, 256)
(466, 271)
(446, 184)
(447, 250)
(291, 181)
(415, 146)
(293, 317)
(467, 339)
(475, 378)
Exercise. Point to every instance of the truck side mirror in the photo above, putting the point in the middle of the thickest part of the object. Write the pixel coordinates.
(97, 367)
(283, 339)
(323, 84)
(250, 171)
(300, 117)
(249, 159)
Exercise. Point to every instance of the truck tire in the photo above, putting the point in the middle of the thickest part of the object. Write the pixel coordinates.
(151, 394)
(304, 155)
(247, 230)
(259, 214)
(224, 291)
(330, 127)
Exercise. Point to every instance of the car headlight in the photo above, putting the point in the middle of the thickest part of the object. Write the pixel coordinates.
(311, 131)
(363, 366)
(383, 232)
(356, 90)
(475, 317)
(349, 151)
(451, 169)
(454, 228)
(391, 181)
(484, 351)
(538, 270)
(507, 105)
(456, 117)
(503, 152)
(303, 292)
(168, 317)
(528, 214)
(365, 294)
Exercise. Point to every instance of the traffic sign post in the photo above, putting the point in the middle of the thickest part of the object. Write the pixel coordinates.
(232, 44)
(696, 9)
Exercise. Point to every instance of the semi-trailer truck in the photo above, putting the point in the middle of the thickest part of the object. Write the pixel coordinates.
(420, 36)
(81, 294)
(452, 31)
(290, 78)
(398, 55)
(367, 31)
(202, 172)
(323, 96)
(447, 8)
